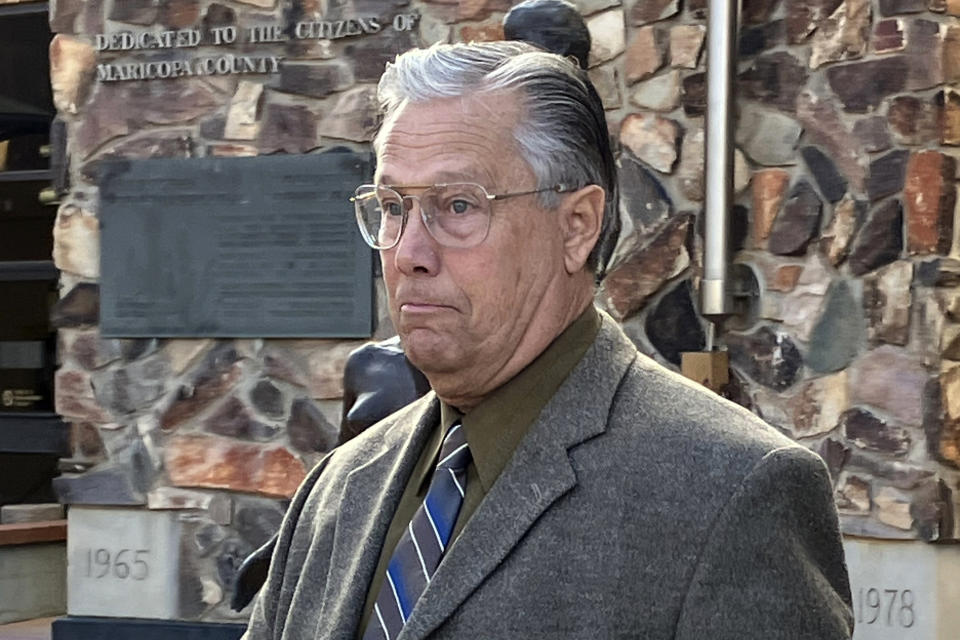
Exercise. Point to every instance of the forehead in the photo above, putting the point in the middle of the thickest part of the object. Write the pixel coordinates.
(467, 138)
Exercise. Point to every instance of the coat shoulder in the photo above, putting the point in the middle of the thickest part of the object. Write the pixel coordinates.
(391, 431)
(659, 413)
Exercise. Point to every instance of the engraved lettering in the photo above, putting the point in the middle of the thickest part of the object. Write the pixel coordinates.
(271, 33)
(130, 41)
(140, 563)
(102, 560)
(352, 28)
(885, 607)
(120, 564)
(223, 35)
(905, 615)
(304, 30)
(105, 73)
(120, 568)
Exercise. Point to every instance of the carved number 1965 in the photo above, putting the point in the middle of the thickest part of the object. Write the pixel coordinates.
(122, 564)
(890, 607)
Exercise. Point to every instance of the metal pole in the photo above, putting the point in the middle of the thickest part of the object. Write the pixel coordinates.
(721, 68)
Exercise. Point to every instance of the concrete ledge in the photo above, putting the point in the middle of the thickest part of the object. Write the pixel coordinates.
(82, 628)
(31, 513)
(33, 581)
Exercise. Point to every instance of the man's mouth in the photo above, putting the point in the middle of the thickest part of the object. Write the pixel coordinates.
(423, 307)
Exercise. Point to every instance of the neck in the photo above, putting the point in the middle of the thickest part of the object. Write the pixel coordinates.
(466, 389)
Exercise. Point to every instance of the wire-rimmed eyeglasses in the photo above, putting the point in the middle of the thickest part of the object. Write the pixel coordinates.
(456, 215)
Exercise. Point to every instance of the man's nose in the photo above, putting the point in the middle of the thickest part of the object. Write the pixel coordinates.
(417, 251)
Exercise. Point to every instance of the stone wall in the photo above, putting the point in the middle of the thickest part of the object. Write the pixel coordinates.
(846, 191)
(846, 203)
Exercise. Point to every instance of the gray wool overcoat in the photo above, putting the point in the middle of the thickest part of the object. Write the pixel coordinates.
(638, 506)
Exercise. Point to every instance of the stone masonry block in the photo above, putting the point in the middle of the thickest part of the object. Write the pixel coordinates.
(929, 200)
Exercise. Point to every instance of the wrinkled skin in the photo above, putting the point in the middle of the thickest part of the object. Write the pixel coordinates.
(471, 319)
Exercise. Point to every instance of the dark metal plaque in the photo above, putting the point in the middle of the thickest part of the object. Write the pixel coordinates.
(235, 247)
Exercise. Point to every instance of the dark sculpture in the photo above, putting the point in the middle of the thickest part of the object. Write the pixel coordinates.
(251, 575)
(554, 25)
(377, 380)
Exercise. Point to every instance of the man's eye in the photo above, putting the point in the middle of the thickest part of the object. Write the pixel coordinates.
(392, 208)
(460, 206)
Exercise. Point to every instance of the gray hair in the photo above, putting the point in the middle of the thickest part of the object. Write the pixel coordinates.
(563, 134)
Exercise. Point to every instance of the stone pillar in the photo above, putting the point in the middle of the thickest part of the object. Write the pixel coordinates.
(188, 450)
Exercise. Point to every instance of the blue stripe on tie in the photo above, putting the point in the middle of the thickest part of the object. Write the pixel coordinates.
(399, 583)
(441, 517)
(408, 576)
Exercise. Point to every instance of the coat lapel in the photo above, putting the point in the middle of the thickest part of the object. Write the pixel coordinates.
(370, 496)
(538, 474)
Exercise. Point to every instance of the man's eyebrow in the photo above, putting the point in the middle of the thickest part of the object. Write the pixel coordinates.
(440, 177)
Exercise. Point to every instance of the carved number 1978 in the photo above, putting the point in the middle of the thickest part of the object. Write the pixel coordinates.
(889, 607)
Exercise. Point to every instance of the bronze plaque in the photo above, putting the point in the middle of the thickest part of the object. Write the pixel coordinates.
(235, 247)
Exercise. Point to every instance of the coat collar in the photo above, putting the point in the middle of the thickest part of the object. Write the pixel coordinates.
(539, 473)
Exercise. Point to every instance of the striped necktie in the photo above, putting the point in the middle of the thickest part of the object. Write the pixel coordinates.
(422, 545)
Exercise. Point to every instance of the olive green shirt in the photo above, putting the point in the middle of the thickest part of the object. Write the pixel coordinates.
(493, 428)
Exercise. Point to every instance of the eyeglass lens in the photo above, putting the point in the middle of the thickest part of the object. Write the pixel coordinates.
(456, 215)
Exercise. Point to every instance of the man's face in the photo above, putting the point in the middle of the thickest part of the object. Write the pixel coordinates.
(462, 314)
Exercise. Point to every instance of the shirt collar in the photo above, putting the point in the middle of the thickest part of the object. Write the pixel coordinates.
(495, 427)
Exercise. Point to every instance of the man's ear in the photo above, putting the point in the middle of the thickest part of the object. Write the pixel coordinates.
(581, 222)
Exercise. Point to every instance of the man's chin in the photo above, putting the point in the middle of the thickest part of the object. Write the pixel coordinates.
(431, 355)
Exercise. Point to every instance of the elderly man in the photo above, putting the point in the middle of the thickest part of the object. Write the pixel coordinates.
(555, 483)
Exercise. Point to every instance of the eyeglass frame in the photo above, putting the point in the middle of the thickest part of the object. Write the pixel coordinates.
(490, 197)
